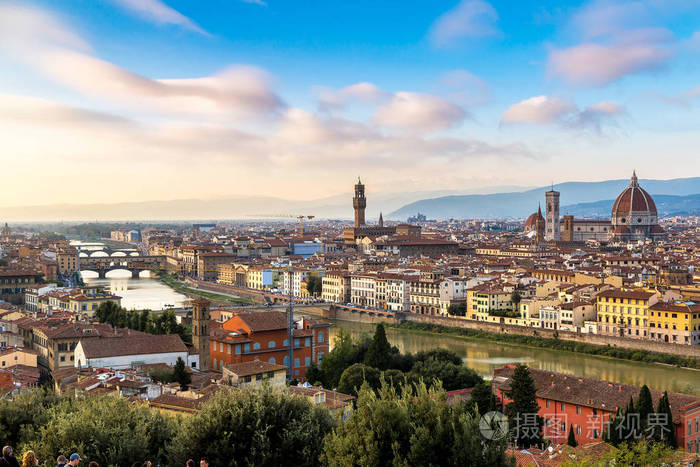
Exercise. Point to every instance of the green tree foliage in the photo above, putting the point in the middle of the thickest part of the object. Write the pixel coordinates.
(641, 453)
(24, 412)
(109, 430)
(352, 378)
(314, 374)
(452, 376)
(253, 428)
(457, 309)
(523, 406)
(644, 406)
(668, 434)
(345, 352)
(516, 298)
(483, 397)
(144, 321)
(379, 352)
(180, 374)
(572, 437)
(414, 426)
(314, 285)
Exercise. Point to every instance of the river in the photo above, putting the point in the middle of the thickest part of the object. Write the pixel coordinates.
(484, 356)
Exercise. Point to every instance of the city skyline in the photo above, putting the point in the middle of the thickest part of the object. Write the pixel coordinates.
(130, 100)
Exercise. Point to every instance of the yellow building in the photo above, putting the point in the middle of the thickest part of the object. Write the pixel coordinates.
(67, 260)
(624, 312)
(87, 304)
(678, 323)
(483, 300)
(18, 356)
(336, 287)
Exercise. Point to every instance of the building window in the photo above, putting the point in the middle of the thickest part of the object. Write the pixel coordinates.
(271, 345)
(271, 360)
(256, 346)
(238, 349)
(307, 361)
(547, 403)
(307, 342)
(246, 348)
(578, 410)
(320, 336)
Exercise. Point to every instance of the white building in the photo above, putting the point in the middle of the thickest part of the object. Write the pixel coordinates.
(362, 290)
(130, 351)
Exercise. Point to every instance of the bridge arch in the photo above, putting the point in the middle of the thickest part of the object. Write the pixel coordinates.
(117, 253)
(99, 254)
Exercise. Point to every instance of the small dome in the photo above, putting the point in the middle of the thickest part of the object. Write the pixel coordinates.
(633, 199)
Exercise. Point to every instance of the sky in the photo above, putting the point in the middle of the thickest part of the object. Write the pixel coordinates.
(108, 101)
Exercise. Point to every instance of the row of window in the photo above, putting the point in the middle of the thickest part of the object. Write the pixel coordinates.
(270, 345)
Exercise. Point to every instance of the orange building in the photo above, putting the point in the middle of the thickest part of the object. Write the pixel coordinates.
(262, 335)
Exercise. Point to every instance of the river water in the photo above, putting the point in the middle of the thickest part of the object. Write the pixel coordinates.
(484, 356)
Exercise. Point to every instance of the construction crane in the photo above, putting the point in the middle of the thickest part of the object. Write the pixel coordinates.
(287, 216)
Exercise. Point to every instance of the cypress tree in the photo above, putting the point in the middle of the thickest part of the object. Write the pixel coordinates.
(668, 434)
(572, 437)
(379, 351)
(180, 374)
(523, 405)
(644, 406)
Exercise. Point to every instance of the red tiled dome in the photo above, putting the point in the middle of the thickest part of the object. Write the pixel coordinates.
(621, 229)
(531, 221)
(633, 199)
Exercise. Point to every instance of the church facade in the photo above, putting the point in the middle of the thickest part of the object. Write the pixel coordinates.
(633, 218)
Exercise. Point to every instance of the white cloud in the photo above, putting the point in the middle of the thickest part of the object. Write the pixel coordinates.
(256, 2)
(597, 65)
(419, 112)
(235, 92)
(618, 39)
(544, 110)
(158, 12)
(469, 19)
(538, 109)
(363, 92)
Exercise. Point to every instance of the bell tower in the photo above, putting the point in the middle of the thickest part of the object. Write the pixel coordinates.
(552, 215)
(359, 203)
(200, 331)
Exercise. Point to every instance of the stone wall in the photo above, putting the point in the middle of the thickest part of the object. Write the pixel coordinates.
(622, 342)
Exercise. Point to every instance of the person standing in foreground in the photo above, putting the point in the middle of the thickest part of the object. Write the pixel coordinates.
(8, 458)
(29, 459)
(74, 460)
(61, 461)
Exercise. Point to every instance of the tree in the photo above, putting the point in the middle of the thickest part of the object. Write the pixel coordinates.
(29, 409)
(644, 406)
(452, 376)
(457, 309)
(413, 426)
(483, 397)
(668, 433)
(314, 374)
(344, 354)
(109, 430)
(253, 427)
(516, 298)
(180, 374)
(524, 408)
(379, 352)
(352, 378)
(572, 437)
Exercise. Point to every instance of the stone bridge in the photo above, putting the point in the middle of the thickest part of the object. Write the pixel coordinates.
(134, 264)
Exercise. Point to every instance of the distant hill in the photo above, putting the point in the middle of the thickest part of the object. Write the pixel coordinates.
(666, 205)
(522, 204)
(334, 207)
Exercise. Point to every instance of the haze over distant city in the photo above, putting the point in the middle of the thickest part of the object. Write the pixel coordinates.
(113, 101)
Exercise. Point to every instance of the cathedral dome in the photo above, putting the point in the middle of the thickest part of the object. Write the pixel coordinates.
(531, 221)
(633, 203)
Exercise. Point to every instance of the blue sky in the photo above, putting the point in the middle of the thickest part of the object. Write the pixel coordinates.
(277, 98)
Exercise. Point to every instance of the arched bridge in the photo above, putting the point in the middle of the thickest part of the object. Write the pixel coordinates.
(103, 264)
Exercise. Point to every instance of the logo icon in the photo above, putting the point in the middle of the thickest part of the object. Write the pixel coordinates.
(494, 425)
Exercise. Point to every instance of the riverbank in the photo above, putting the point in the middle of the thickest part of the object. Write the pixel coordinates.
(179, 287)
(554, 344)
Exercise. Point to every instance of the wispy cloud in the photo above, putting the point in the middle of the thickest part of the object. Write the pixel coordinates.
(419, 112)
(40, 41)
(545, 110)
(255, 2)
(159, 13)
(469, 19)
(618, 39)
